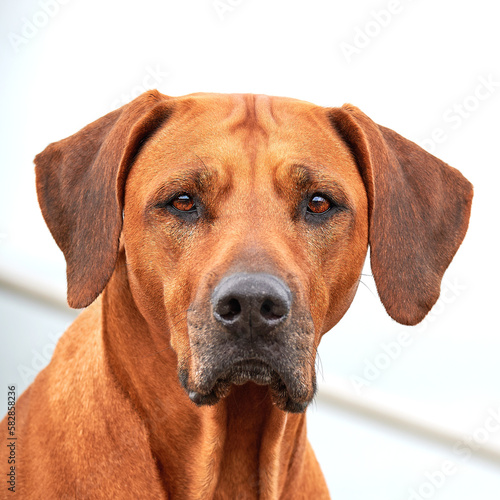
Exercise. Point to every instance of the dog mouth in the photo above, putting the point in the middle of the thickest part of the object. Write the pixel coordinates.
(250, 370)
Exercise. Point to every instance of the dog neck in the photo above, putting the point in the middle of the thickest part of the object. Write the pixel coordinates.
(242, 444)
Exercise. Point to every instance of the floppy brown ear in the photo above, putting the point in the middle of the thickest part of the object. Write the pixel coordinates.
(419, 210)
(80, 183)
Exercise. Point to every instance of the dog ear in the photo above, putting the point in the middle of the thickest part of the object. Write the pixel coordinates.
(419, 209)
(80, 185)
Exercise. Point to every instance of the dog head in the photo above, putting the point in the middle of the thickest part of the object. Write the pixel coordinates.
(245, 221)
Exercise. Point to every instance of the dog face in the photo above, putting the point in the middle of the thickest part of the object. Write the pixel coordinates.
(244, 221)
(245, 240)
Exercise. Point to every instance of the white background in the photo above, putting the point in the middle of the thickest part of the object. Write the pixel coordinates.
(418, 67)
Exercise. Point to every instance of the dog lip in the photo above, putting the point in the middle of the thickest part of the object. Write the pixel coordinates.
(247, 370)
(286, 394)
(262, 373)
(255, 370)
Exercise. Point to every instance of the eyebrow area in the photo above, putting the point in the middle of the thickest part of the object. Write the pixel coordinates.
(191, 179)
(305, 178)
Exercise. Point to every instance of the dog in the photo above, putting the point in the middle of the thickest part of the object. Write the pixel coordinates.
(213, 239)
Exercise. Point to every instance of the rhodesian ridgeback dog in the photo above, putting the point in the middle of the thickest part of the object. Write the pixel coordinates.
(213, 240)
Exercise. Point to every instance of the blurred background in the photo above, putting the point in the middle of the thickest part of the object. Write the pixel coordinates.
(402, 412)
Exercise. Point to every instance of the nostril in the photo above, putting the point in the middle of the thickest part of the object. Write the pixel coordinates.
(266, 308)
(269, 311)
(230, 310)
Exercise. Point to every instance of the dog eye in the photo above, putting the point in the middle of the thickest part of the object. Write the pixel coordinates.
(184, 203)
(318, 204)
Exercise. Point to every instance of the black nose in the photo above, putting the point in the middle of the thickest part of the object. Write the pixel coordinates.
(251, 303)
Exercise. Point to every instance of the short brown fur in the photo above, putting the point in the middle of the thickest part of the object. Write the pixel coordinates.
(109, 418)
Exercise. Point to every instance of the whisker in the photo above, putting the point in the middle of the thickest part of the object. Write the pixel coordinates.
(366, 286)
(320, 367)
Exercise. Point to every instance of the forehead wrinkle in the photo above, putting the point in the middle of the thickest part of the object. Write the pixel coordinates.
(242, 128)
(246, 115)
(252, 137)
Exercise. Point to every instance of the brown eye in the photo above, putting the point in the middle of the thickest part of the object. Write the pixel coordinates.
(318, 204)
(183, 203)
